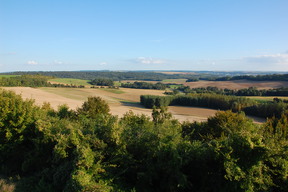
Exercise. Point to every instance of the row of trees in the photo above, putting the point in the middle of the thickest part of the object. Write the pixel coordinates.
(213, 101)
(89, 149)
(216, 101)
(251, 91)
(25, 81)
(270, 77)
(102, 82)
(145, 85)
(159, 76)
(33, 81)
(118, 76)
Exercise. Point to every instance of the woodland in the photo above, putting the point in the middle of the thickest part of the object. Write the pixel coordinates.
(159, 76)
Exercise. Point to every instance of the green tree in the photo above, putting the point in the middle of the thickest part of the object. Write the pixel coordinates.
(17, 129)
(93, 107)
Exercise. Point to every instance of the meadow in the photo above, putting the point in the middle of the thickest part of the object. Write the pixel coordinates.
(70, 81)
(7, 76)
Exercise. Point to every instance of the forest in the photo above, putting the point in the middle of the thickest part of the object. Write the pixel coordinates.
(251, 91)
(145, 85)
(220, 102)
(114, 75)
(268, 77)
(25, 81)
(159, 76)
(88, 149)
(32, 81)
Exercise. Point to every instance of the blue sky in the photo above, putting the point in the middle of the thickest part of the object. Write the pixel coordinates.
(53, 35)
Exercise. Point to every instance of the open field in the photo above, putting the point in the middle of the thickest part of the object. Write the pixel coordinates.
(119, 102)
(8, 76)
(70, 81)
(176, 72)
(181, 81)
(261, 98)
(238, 84)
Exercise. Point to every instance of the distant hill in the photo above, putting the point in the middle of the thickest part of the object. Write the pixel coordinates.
(161, 75)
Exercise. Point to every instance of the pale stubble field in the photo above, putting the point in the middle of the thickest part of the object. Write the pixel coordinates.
(119, 103)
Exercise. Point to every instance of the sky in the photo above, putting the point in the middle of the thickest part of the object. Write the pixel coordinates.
(210, 35)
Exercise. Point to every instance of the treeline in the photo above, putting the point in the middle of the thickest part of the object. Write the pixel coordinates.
(89, 149)
(33, 81)
(251, 91)
(158, 76)
(221, 102)
(102, 82)
(213, 101)
(272, 77)
(117, 76)
(25, 81)
(145, 85)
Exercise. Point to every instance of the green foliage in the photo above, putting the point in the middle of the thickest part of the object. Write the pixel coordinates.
(160, 115)
(118, 76)
(93, 107)
(216, 101)
(102, 82)
(145, 85)
(273, 77)
(150, 101)
(17, 129)
(91, 150)
(25, 81)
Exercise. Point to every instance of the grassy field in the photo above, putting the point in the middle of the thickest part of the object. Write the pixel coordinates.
(117, 91)
(174, 80)
(8, 76)
(260, 98)
(70, 81)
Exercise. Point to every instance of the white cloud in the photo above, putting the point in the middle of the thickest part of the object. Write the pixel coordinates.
(57, 62)
(149, 60)
(103, 63)
(32, 62)
(268, 59)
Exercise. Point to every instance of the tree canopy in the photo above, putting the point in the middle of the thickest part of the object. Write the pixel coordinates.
(45, 149)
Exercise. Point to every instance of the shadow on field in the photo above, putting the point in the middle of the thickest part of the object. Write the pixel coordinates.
(132, 104)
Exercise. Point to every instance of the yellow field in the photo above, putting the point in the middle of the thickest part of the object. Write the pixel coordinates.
(119, 102)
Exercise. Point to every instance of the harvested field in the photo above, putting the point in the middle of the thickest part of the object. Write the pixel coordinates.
(196, 113)
(239, 84)
(175, 72)
(120, 103)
